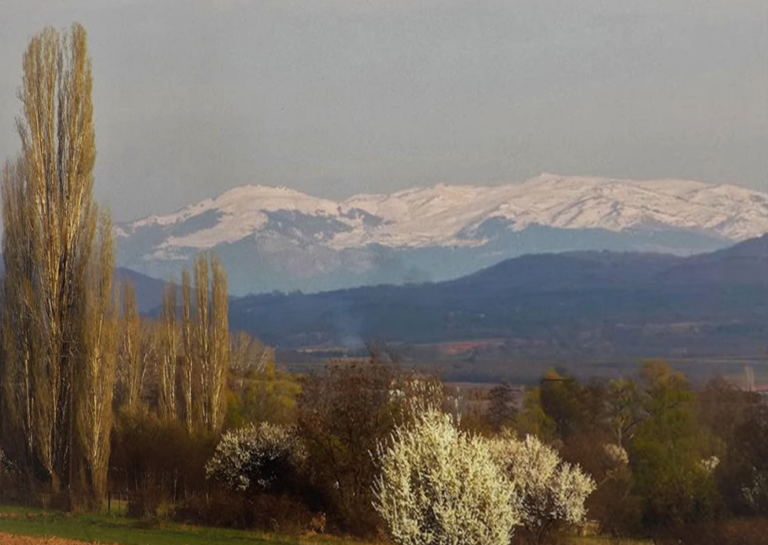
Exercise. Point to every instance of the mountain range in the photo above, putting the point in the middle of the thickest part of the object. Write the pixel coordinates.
(577, 306)
(280, 239)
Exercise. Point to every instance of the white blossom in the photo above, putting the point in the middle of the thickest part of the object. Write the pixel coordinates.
(756, 493)
(551, 492)
(439, 486)
(253, 455)
(616, 454)
(710, 464)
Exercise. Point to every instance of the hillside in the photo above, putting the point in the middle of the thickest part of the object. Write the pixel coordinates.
(580, 305)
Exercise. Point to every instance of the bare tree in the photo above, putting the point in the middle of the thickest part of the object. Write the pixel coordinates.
(219, 343)
(169, 351)
(49, 221)
(130, 368)
(94, 378)
(248, 354)
(211, 349)
(20, 361)
(150, 357)
(194, 347)
(187, 371)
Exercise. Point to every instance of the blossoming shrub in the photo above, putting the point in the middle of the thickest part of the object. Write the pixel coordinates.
(439, 486)
(259, 458)
(551, 492)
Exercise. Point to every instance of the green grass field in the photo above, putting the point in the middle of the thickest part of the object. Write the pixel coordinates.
(118, 529)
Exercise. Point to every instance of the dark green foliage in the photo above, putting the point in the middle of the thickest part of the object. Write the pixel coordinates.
(738, 423)
(501, 407)
(668, 454)
(574, 408)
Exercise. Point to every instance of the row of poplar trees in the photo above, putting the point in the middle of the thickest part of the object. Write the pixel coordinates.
(63, 327)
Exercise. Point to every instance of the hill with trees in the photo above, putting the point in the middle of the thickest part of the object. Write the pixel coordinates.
(581, 305)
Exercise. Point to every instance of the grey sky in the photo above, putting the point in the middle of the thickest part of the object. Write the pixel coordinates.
(334, 97)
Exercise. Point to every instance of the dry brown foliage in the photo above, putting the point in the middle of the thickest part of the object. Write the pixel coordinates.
(8, 539)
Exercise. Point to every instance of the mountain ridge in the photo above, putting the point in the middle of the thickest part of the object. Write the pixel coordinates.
(279, 238)
(581, 306)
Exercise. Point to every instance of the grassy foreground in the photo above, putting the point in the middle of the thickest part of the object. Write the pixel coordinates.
(124, 531)
(118, 529)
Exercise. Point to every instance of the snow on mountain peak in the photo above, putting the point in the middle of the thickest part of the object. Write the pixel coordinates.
(451, 215)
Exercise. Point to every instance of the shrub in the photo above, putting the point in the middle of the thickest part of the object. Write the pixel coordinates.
(438, 485)
(218, 508)
(742, 531)
(155, 462)
(551, 492)
(258, 458)
(342, 415)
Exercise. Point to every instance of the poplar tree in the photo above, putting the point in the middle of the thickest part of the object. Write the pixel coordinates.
(195, 347)
(169, 352)
(187, 371)
(57, 313)
(211, 351)
(130, 369)
(94, 377)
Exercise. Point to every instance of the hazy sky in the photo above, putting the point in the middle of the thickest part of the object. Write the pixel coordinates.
(335, 97)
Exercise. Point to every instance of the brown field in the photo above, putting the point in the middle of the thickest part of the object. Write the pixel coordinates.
(8, 539)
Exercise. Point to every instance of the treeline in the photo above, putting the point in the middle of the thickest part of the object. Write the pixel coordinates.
(73, 353)
(311, 453)
(670, 461)
(667, 460)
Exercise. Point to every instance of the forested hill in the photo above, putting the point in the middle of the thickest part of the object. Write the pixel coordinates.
(583, 303)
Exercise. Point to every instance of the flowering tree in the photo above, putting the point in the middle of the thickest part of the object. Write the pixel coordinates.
(256, 457)
(551, 492)
(439, 486)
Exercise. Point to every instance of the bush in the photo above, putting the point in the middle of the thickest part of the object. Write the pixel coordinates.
(266, 512)
(724, 532)
(551, 492)
(342, 415)
(439, 485)
(218, 508)
(156, 462)
(257, 458)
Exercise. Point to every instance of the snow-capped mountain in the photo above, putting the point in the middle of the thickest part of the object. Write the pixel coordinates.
(278, 238)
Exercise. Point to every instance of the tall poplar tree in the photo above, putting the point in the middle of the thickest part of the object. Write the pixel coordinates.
(53, 289)
(130, 366)
(211, 348)
(187, 371)
(94, 376)
(168, 404)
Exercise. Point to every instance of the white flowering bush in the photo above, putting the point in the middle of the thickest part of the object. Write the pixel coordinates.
(256, 457)
(439, 486)
(709, 464)
(755, 494)
(616, 454)
(551, 492)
